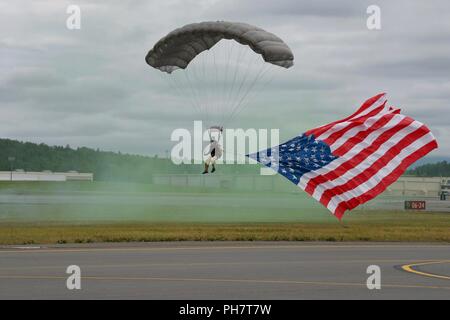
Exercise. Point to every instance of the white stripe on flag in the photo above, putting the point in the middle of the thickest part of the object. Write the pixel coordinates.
(366, 163)
(356, 149)
(382, 173)
(375, 105)
(354, 131)
(341, 125)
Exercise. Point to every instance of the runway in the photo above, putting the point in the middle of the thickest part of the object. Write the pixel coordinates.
(227, 270)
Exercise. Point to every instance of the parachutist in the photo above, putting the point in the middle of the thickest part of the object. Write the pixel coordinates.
(214, 153)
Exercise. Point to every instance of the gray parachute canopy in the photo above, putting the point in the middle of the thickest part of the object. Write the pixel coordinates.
(181, 46)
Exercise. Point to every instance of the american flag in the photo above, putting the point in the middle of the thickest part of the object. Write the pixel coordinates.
(349, 162)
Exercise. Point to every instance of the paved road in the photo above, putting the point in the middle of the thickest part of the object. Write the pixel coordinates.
(227, 270)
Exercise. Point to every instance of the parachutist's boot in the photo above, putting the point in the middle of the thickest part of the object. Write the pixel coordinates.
(206, 169)
(213, 169)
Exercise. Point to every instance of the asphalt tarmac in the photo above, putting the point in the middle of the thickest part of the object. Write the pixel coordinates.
(227, 270)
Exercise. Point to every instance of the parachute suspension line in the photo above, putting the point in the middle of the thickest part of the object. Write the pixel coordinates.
(203, 82)
(206, 82)
(172, 85)
(245, 66)
(254, 93)
(208, 76)
(197, 85)
(192, 71)
(220, 76)
(199, 74)
(219, 57)
(216, 74)
(245, 100)
(222, 106)
(185, 92)
(235, 108)
(233, 83)
(243, 84)
(182, 90)
(170, 80)
(192, 90)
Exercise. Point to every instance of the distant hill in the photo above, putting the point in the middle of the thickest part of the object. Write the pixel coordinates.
(439, 169)
(112, 166)
(428, 160)
(106, 166)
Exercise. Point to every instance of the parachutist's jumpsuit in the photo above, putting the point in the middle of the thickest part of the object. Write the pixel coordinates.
(214, 153)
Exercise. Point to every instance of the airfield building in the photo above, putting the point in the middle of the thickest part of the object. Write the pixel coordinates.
(21, 175)
(405, 186)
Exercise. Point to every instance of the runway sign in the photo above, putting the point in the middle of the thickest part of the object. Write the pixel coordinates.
(415, 205)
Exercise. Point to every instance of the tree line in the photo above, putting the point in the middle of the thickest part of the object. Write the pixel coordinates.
(115, 166)
(106, 166)
(439, 169)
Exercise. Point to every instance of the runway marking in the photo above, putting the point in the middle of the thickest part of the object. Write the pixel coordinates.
(410, 268)
(193, 264)
(58, 250)
(260, 281)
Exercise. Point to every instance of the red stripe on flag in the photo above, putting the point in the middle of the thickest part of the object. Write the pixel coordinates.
(386, 181)
(367, 104)
(371, 171)
(354, 123)
(358, 138)
(362, 155)
(361, 136)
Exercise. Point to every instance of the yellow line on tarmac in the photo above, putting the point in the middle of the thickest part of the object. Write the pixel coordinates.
(410, 268)
(257, 281)
(200, 264)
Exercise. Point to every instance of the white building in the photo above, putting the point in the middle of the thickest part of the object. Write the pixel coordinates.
(418, 186)
(20, 175)
(405, 186)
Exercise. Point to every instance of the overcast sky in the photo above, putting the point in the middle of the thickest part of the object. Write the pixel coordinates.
(91, 87)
